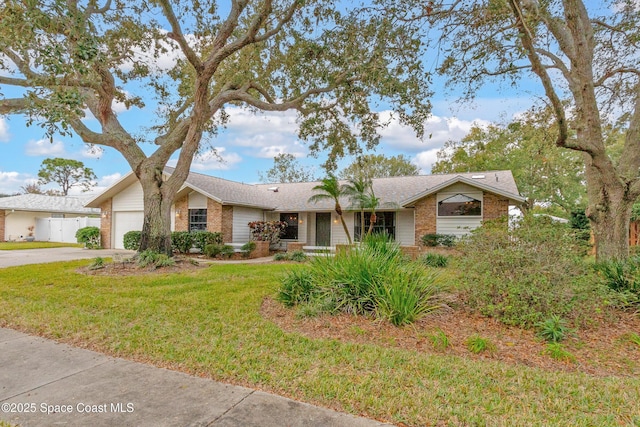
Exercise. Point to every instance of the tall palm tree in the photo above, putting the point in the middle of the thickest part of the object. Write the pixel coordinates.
(330, 189)
(356, 188)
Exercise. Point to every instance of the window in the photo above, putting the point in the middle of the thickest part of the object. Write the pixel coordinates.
(385, 223)
(291, 232)
(460, 205)
(197, 219)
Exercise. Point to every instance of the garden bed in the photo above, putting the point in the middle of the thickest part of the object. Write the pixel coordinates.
(598, 351)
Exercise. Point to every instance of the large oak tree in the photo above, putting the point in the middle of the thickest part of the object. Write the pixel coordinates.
(587, 56)
(64, 62)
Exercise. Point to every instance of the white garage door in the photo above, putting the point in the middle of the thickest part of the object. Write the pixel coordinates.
(123, 222)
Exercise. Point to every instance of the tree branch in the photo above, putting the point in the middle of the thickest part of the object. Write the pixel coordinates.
(13, 105)
(540, 70)
(178, 36)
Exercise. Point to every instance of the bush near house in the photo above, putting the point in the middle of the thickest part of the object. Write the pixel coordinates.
(434, 239)
(529, 273)
(181, 241)
(203, 238)
(131, 240)
(90, 236)
(267, 231)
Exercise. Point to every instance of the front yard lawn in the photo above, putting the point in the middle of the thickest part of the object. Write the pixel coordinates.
(208, 322)
(14, 246)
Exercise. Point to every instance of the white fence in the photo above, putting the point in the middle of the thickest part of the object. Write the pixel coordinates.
(62, 229)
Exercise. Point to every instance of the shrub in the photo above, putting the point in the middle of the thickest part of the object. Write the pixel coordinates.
(553, 329)
(97, 263)
(281, 256)
(247, 248)
(622, 277)
(131, 240)
(181, 241)
(267, 231)
(90, 236)
(298, 256)
(147, 258)
(555, 350)
(371, 279)
(524, 275)
(154, 259)
(212, 250)
(435, 260)
(297, 287)
(203, 238)
(227, 251)
(439, 340)
(433, 239)
(476, 345)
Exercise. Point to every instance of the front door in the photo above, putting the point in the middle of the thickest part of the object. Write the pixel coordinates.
(323, 229)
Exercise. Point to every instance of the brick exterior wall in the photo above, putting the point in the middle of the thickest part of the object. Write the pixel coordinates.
(182, 220)
(494, 206)
(214, 216)
(2, 226)
(227, 225)
(425, 217)
(106, 218)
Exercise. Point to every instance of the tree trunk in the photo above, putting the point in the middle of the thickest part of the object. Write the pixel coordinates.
(609, 214)
(156, 228)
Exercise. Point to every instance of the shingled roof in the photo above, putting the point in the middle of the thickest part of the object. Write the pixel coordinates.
(44, 203)
(397, 191)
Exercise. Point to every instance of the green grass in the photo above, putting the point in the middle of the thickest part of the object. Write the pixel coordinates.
(14, 246)
(208, 323)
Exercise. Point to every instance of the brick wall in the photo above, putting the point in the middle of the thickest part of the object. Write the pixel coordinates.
(106, 217)
(227, 224)
(494, 206)
(425, 217)
(182, 220)
(214, 216)
(2, 226)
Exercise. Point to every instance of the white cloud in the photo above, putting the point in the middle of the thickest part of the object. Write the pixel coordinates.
(4, 130)
(438, 130)
(92, 151)
(44, 147)
(262, 130)
(215, 159)
(109, 180)
(425, 160)
(103, 183)
(11, 181)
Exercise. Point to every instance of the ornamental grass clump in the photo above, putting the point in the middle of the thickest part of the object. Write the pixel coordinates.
(373, 279)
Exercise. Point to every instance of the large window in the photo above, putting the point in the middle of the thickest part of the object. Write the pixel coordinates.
(385, 223)
(291, 232)
(460, 205)
(197, 219)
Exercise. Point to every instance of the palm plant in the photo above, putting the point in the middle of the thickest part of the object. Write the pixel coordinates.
(356, 189)
(330, 189)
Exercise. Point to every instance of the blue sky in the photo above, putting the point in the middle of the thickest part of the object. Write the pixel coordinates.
(249, 143)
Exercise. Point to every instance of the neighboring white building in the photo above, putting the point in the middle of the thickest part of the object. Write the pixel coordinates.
(20, 216)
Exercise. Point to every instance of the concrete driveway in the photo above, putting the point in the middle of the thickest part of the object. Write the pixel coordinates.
(39, 256)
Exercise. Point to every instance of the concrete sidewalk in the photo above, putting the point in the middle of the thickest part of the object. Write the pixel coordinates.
(44, 383)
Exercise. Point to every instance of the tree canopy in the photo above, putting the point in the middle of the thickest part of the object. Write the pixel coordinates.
(286, 168)
(545, 175)
(584, 57)
(68, 65)
(371, 166)
(66, 173)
